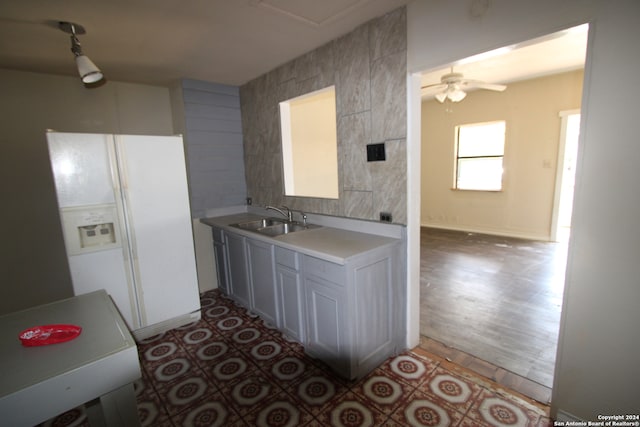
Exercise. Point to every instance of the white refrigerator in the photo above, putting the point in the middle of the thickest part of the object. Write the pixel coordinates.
(126, 221)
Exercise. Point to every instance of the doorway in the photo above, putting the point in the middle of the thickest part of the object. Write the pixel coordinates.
(470, 262)
(565, 175)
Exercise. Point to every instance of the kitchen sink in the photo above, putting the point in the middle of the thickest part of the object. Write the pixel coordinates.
(273, 226)
(258, 224)
(284, 228)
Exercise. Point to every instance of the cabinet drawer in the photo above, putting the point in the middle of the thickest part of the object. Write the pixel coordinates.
(287, 258)
(324, 269)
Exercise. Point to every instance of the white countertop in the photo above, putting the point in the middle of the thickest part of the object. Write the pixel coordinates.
(331, 244)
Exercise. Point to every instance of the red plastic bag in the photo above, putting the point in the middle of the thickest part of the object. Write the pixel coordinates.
(49, 334)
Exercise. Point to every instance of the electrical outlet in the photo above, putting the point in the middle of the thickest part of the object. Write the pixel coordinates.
(249, 201)
(385, 216)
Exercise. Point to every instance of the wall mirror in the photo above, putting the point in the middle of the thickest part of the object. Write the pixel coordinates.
(309, 144)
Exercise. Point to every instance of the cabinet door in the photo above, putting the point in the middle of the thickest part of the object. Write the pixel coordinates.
(262, 281)
(237, 263)
(326, 323)
(291, 302)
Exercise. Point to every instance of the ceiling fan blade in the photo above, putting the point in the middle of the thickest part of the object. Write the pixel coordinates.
(483, 85)
(432, 89)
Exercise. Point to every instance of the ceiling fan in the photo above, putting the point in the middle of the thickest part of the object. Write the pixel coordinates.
(453, 85)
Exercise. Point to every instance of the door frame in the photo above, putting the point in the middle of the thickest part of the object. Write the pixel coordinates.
(560, 173)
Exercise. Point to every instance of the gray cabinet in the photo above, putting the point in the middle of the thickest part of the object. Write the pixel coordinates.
(220, 256)
(237, 269)
(290, 293)
(347, 315)
(353, 311)
(262, 283)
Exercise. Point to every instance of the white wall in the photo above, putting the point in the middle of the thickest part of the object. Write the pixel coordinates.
(33, 261)
(524, 206)
(597, 370)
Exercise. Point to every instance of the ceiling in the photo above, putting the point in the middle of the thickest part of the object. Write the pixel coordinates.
(158, 41)
(229, 41)
(555, 53)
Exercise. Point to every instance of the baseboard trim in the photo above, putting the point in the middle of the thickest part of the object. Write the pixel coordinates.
(158, 328)
(564, 417)
(503, 233)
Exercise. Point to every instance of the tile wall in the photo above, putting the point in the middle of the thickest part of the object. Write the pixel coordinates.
(368, 68)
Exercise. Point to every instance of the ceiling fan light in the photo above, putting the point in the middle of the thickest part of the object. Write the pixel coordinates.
(441, 96)
(452, 87)
(89, 72)
(457, 95)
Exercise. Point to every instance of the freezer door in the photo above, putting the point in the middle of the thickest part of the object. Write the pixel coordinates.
(154, 184)
(81, 168)
(85, 175)
(105, 270)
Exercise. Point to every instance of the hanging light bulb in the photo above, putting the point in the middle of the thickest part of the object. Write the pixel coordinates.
(89, 72)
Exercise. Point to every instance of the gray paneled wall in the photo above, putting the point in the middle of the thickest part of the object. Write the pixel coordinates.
(213, 135)
(369, 69)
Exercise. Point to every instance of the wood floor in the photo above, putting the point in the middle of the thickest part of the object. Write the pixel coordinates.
(494, 298)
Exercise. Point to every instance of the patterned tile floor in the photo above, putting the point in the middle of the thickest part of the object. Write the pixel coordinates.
(231, 369)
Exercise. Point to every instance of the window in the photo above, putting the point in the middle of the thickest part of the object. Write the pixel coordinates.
(309, 145)
(480, 150)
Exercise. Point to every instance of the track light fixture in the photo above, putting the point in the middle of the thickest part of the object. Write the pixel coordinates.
(89, 72)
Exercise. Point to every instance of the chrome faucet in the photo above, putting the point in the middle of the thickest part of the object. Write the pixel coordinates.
(288, 214)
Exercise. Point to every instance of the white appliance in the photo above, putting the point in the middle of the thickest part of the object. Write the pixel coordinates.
(124, 207)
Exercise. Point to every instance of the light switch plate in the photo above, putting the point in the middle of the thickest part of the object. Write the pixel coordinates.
(376, 152)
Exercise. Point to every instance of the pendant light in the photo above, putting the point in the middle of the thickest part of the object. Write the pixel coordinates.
(89, 72)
